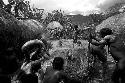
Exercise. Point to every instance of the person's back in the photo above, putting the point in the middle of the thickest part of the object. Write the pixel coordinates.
(55, 73)
(54, 76)
(117, 47)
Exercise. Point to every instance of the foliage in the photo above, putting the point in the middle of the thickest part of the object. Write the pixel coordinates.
(57, 15)
(14, 33)
(1, 4)
(97, 18)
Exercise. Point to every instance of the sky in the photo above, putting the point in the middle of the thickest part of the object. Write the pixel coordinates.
(74, 6)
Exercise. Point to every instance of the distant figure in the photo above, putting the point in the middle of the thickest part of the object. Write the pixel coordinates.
(75, 33)
(99, 52)
(56, 73)
(117, 51)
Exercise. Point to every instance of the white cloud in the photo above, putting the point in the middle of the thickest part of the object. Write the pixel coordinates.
(84, 6)
(104, 4)
(70, 5)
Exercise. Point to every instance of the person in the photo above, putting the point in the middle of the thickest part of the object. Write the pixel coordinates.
(99, 53)
(32, 51)
(31, 77)
(116, 49)
(55, 74)
(75, 33)
(8, 65)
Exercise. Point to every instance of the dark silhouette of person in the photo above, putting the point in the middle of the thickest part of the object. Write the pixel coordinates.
(8, 65)
(75, 33)
(56, 74)
(116, 48)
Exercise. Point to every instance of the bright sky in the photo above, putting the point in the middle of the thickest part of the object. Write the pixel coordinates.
(73, 5)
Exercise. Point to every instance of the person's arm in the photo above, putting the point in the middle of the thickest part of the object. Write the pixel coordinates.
(101, 42)
(95, 38)
(97, 43)
(41, 75)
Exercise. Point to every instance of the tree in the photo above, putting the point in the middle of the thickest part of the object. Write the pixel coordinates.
(97, 18)
(57, 15)
(1, 4)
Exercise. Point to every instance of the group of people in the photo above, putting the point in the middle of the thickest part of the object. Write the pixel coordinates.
(116, 48)
(55, 74)
(36, 52)
(31, 70)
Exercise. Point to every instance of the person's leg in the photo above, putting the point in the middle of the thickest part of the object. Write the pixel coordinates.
(100, 53)
(121, 66)
(116, 75)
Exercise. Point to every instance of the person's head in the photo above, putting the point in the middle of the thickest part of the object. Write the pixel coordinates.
(58, 63)
(105, 31)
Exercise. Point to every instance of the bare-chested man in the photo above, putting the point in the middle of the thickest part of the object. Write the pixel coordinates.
(55, 74)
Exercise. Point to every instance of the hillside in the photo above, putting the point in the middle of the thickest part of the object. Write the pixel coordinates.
(114, 9)
(116, 23)
(80, 19)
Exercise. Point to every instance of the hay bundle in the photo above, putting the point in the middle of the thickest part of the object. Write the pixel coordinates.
(14, 33)
(54, 25)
